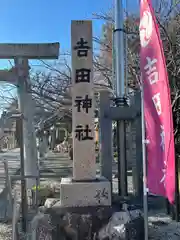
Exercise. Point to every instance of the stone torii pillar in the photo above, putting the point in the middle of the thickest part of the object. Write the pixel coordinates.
(84, 189)
(19, 76)
(53, 137)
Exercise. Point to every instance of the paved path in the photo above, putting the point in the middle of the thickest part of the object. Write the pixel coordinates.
(62, 166)
(54, 165)
(57, 163)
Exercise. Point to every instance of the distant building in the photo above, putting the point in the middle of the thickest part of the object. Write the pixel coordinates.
(55, 128)
(8, 136)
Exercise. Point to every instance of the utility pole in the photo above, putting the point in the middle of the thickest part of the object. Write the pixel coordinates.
(120, 92)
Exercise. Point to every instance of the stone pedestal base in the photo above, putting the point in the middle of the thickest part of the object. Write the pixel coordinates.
(83, 194)
(76, 223)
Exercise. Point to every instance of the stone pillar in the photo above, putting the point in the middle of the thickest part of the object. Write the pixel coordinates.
(41, 149)
(84, 164)
(38, 146)
(84, 189)
(45, 140)
(14, 140)
(53, 137)
(137, 168)
(43, 145)
(106, 138)
(8, 141)
(57, 134)
(26, 106)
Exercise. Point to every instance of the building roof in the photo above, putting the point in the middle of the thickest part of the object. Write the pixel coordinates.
(7, 123)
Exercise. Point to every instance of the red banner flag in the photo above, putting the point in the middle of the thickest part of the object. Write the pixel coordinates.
(157, 107)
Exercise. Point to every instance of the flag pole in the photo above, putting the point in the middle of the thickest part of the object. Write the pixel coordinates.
(144, 142)
(120, 95)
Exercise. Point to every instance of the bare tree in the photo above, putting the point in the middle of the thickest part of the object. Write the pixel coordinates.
(51, 85)
(168, 18)
(7, 95)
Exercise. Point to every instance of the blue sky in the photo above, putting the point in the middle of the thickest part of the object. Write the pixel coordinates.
(44, 20)
(28, 21)
(47, 21)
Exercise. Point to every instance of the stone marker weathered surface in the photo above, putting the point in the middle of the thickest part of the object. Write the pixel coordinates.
(83, 189)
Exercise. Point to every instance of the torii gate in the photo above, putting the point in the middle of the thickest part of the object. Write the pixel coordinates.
(19, 76)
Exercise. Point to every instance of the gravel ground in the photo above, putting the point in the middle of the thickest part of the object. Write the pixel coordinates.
(5, 231)
(161, 227)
